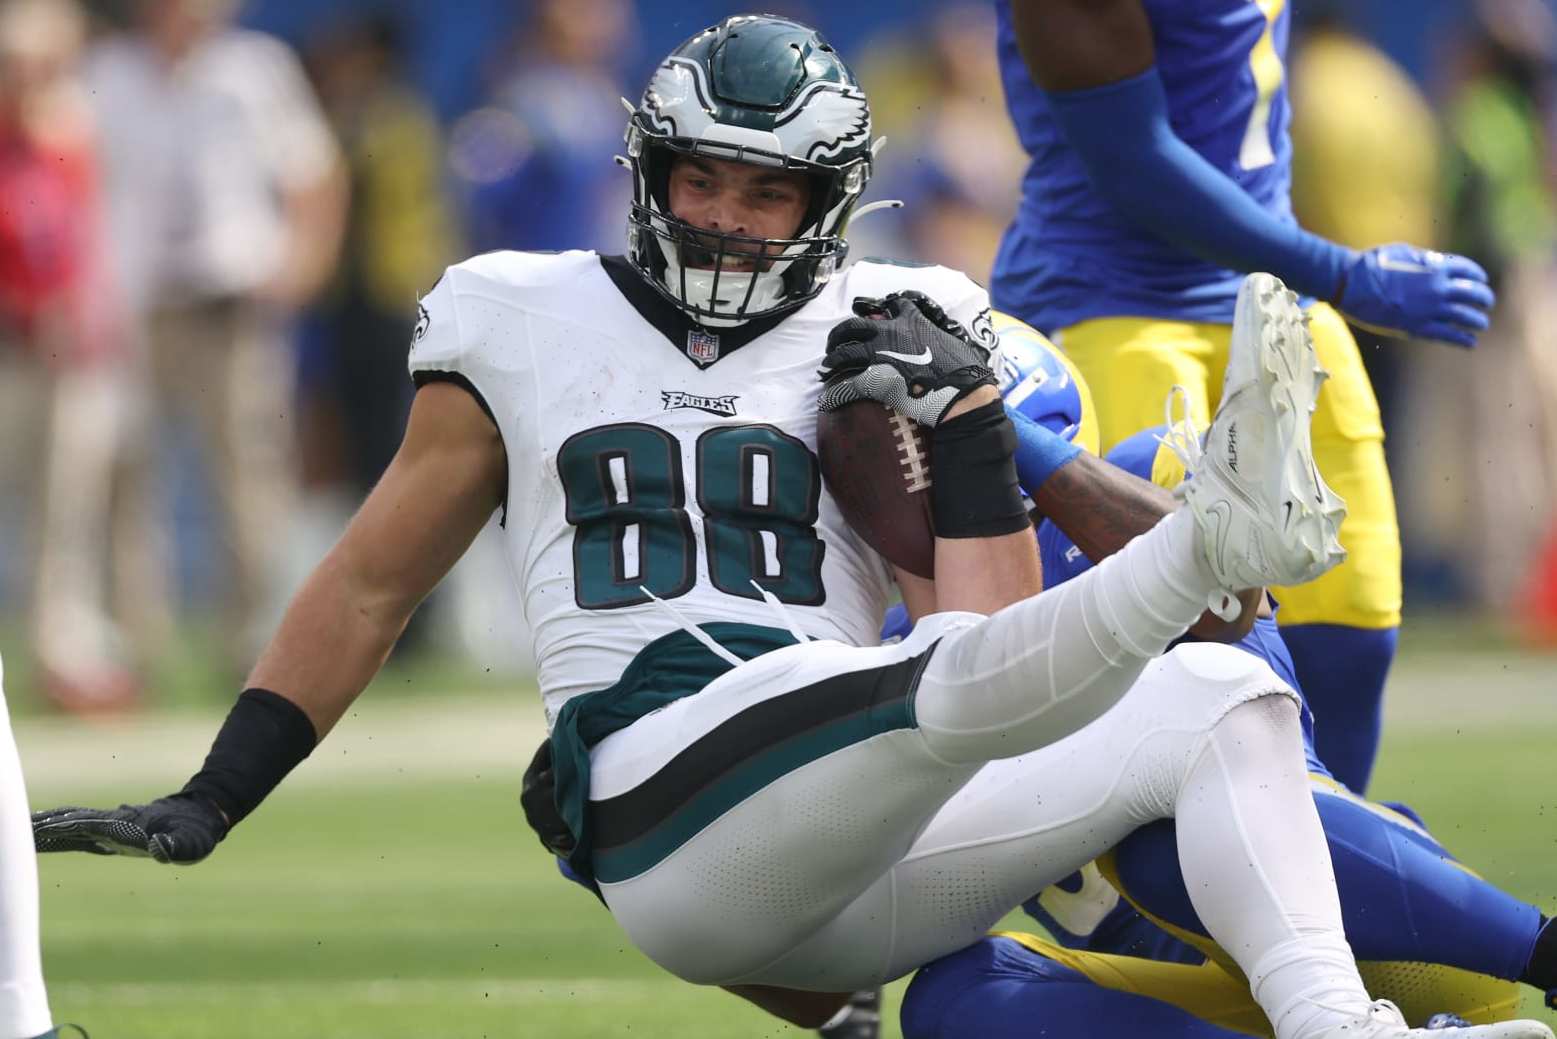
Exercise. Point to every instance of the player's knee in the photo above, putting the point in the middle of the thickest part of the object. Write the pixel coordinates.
(1274, 712)
(1212, 681)
(1267, 726)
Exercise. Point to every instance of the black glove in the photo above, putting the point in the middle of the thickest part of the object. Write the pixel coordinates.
(538, 797)
(183, 828)
(903, 351)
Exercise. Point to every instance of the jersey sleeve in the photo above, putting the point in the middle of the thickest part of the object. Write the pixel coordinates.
(438, 348)
(959, 295)
(435, 342)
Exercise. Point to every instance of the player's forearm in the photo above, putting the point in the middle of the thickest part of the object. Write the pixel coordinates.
(1101, 508)
(988, 560)
(1154, 180)
(332, 641)
(436, 495)
(984, 575)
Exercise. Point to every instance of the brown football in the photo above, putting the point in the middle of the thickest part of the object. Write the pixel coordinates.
(877, 466)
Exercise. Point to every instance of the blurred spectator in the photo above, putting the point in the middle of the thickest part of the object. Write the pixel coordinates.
(1365, 171)
(1365, 146)
(953, 156)
(354, 393)
(536, 162)
(1494, 465)
(60, 347)
(535, 169)
(399, 237)
(227, 199)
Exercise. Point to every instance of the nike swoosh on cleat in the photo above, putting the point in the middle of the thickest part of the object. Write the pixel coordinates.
(1224, 519)
(923, 358)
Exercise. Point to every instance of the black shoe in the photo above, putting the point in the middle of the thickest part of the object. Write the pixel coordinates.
(863, 1020)
(59, 1032)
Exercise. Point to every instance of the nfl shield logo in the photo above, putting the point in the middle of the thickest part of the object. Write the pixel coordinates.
(702, 347)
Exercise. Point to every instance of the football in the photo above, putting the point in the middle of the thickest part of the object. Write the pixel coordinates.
(877, 466)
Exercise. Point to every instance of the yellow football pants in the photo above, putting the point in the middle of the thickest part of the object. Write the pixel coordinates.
(1131, 363)
(1221, 996)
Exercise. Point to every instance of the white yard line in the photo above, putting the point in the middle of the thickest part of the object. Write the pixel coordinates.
(496, 991)
(444, 736)
(1471, 691)
(435, 737)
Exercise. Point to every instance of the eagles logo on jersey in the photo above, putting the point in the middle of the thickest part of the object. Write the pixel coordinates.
(761, 90)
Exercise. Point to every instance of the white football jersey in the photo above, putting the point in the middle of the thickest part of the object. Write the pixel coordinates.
(649, 455)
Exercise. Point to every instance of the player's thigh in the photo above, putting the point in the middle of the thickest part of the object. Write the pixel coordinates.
(1025, 822)
(1131, 363)
(1348, 436)
(735, 822)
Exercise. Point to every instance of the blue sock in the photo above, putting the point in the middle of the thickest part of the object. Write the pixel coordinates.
(1403, 897)
(1342, 671)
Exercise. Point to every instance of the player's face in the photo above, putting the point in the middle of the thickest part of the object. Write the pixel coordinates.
(735, 198)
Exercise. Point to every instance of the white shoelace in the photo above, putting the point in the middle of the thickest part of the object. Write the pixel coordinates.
(784, 616)
(1188, 445)
(1182, 438)
(685, 623)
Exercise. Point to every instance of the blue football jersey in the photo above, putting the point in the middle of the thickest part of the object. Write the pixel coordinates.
(1067, 257)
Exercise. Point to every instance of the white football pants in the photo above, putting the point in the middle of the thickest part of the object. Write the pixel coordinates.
(756, 859)
(24, 1007)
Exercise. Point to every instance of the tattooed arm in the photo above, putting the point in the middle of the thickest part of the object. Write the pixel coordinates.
(1101, 507)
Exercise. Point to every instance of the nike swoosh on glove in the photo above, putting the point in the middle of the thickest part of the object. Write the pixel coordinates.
(1400, 290)
(183, 828)
(903, 351)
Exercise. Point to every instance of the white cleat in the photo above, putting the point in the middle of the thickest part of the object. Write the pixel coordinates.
(1384, 1021)
(1265, 515)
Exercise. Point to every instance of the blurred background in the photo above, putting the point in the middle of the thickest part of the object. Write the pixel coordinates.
(217, 218)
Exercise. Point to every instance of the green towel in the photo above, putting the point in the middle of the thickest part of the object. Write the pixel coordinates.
(667, 669)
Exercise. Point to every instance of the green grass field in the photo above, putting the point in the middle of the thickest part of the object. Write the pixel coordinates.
(391, 889)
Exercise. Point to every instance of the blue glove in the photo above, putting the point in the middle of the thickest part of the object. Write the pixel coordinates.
(1400, 290)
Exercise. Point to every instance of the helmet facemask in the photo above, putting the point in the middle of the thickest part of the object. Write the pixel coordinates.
(809, 118)
(690, 263)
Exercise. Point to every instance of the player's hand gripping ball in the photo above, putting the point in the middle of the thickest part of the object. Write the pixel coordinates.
(903, 351)
(890, 371)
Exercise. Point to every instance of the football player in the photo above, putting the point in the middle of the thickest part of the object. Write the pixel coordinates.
(765, 797)
(1429, 934)
(1160, 169)
(24, 1004)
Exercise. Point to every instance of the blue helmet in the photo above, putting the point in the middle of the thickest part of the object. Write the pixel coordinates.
(1040, 382)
